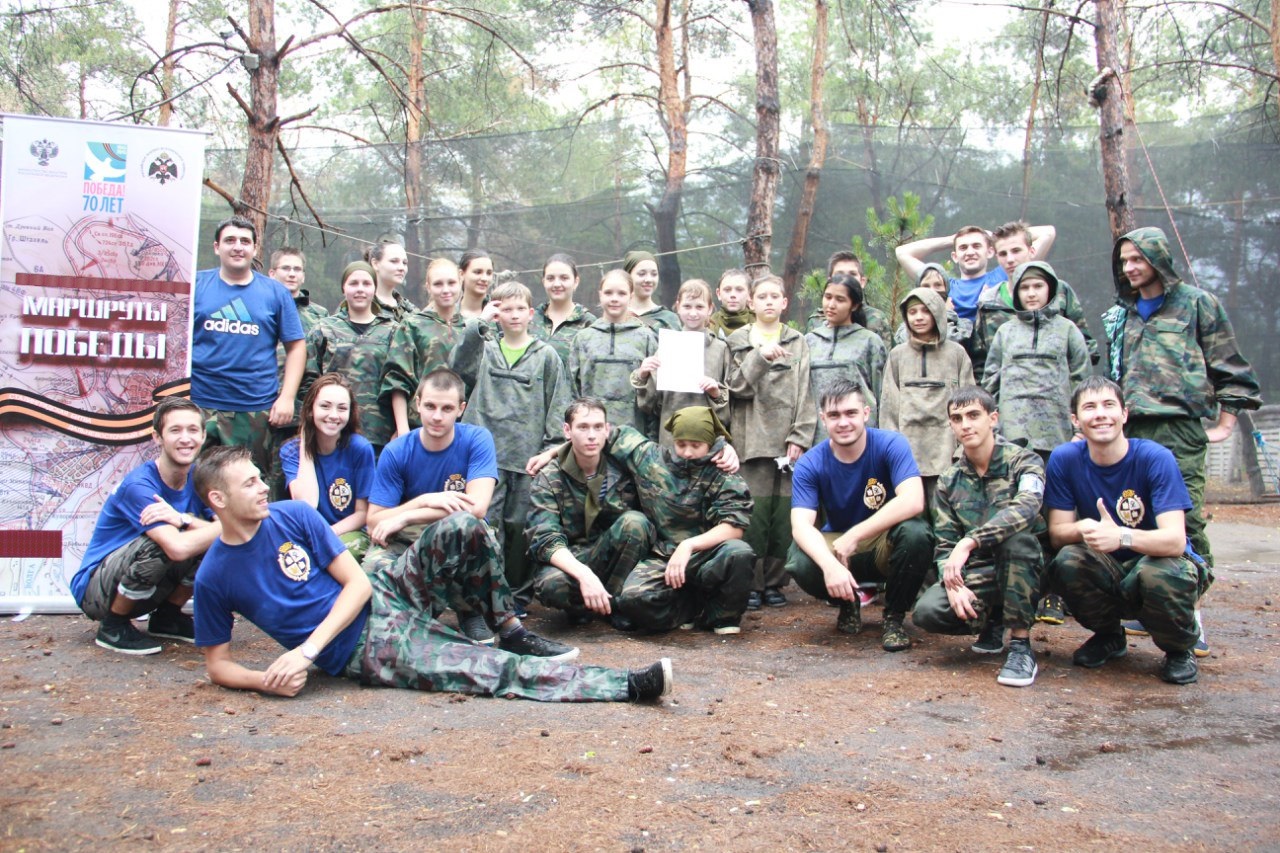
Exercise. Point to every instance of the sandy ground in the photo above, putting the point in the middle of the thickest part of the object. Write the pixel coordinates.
(789, 736)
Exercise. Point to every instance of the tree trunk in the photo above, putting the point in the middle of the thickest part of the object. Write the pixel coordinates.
(169, 66)
(1110, 100)
(415, 110)
(673, 114)
(260, 112)
(793, 267)
(1031, 114)
(764, 180)
(874, 184)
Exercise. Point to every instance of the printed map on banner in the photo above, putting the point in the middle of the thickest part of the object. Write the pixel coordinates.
(99, 248)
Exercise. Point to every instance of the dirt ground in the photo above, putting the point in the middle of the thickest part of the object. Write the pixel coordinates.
(789, 736)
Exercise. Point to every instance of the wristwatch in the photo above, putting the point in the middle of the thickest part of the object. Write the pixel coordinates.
(186, 520)
(1126, 538)
(309, 650)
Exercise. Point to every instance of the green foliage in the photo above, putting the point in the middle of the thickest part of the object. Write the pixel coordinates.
(904, 224)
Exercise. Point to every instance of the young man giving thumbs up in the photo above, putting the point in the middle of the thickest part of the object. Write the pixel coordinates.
(1117, 511)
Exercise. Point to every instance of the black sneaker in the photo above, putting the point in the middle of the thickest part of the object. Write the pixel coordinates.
(172, 624)
(578, 618)
(651, 683)
(754, 600)
(894, 637)
(1019, 668)
(849, 619)
(1052, 610)
(475, 629)
(990, 641)
(774, 598)
(1180, 668)
(1101, 648)
(525, 642)
(122, 637)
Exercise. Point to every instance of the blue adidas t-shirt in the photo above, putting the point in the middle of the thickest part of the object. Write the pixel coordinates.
(344, 476)
(850, 493)
(118, 522)
(279, 581)
(964, 292)
(406, 469)
(1135, 490)
(234, 333)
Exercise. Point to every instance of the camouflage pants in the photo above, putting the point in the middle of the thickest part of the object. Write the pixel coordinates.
(717, 582)
(508, 515)
(903, 555)
(1007, 581)
(611, 556)
(254, 431)
(142, 572)
(1161, 592)
(1186, 440)
(452, 564)
(769, 533)
(403, 646)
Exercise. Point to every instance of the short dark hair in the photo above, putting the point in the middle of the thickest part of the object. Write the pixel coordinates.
(173, 404)
(235, 222)
(585, 404)
(1093, 384)
(971, 229)
(1017, 228)
(838, 389)
(212, 465)
(843, 255)
(970, 394)
(287, 250)
(443, 379)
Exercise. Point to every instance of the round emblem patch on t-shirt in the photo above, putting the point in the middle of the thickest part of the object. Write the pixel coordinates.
(340, 494)
(874, 494)
(294, 561)
(1130, 509)
(455, 483)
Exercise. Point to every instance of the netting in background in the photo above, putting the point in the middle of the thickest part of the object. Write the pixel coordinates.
(524, 196)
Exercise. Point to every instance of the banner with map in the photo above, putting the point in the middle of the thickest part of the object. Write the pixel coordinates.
(100, 227)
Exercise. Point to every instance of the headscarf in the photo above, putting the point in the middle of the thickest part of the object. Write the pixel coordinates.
(632, 260)
(696, 423)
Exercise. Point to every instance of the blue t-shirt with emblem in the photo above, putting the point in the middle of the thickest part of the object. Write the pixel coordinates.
(279, 581)
(964, 292)
(851, 492)
(234, 333)
(406, 469)
(118, 522)
(1145, 483)
(344, 476)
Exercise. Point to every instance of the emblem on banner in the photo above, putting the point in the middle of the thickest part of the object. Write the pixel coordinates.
(294, 561)
(162, 166)
(104, 162)
(1130, 508)
(874, 494)
(44, 150)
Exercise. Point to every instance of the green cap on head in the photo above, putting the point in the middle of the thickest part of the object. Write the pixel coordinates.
(696, 423)
(632, 259)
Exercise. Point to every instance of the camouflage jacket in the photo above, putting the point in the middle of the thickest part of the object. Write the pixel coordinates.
(846, 352)
(309, 313)
(772, 403)
(1183, 361)
(661, 317)
(958, 330)
(996, 308)
(682, 498)
(877, 322)
(989, 508)
(919, 377)
(335, 346)
(1036, 361)
(560, 337)
(666, 403)
(724, 323)
(567, 510)
(600, 364)
(398, 310)
(521, 404)
(421, 343)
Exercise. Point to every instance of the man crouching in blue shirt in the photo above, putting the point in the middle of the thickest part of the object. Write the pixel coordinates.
(282, 568)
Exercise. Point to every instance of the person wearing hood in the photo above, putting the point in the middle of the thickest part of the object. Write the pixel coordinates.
(843, 347)
(1035, 362)
(1173, 351)
(919, 377)
(604, 354)
(700, 569)
(586, 531)
(934, 277)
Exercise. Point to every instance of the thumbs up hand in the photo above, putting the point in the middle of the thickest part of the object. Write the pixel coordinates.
(1102, 535)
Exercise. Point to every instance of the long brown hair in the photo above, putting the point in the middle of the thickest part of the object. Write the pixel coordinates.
(309, 414)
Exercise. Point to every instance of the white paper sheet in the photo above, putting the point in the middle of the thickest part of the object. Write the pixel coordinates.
(683, 360)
